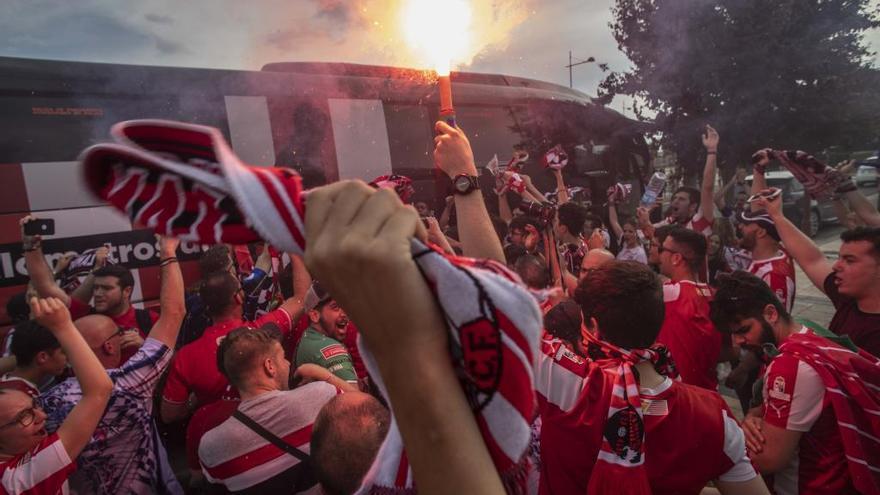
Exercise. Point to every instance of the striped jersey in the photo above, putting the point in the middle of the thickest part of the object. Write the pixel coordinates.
(237, 457)
(778, 273)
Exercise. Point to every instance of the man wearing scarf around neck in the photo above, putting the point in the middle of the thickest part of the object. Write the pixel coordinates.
(617, 420)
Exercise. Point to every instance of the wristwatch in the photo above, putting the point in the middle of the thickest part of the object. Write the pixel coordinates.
(465, 184)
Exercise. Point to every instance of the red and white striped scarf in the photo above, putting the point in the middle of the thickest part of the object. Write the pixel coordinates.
(820, 181)
(852, 381)
(620, 464)
(183, 180)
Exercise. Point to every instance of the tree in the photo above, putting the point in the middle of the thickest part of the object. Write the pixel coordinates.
(787, 74)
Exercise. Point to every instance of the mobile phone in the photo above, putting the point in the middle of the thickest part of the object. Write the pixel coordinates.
(43, 226)
(772, 194)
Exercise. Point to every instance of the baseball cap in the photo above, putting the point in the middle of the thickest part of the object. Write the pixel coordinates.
(316, 296)
(761, 218)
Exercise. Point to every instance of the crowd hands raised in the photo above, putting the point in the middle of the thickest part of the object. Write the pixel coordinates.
(256, 370)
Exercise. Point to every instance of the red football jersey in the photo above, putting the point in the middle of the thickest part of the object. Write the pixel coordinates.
(195, 365)
(572, 425)
(778, 272)
(689, 334)
(795, 399)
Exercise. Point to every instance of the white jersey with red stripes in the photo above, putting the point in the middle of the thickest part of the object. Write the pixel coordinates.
(778, 272)
(42, 470)
(237, 457)
(697, 223)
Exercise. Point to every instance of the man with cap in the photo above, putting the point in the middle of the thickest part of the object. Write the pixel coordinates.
(770, 262)
(321, 343)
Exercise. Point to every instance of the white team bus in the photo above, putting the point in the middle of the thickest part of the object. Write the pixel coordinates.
(330, 121)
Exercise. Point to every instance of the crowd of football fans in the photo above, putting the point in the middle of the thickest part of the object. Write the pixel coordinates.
(254, 378)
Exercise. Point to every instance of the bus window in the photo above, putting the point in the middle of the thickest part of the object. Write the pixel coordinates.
(491, 130)
(410, 136)
(303, 138)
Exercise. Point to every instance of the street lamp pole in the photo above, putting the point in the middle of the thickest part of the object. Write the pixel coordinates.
(572, 63)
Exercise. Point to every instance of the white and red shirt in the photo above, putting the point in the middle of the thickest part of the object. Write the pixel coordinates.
(194, 369)
(42, 470)
(777, 272)
(697, 223)
(673, 410)
(20, 384)
(688, 333)
(235, 456)
(795, 399)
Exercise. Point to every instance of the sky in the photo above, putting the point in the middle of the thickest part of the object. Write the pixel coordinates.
(529, 38)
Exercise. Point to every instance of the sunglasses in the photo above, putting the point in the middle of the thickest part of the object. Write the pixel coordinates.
(661, 248)
(25, 417)
(120, 331)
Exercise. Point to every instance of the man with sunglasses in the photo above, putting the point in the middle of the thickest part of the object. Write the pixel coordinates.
(31, 459)
(769, 261)
(692, 340)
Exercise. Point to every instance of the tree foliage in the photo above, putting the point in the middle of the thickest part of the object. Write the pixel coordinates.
(766, 73)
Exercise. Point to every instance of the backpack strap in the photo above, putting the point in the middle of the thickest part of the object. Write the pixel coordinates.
(271, 437)
(144, 321)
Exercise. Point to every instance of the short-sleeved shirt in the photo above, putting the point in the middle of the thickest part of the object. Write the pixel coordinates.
(697, 223)
(778, 273)
(233, 455)
(633, 254)
(124, 454)
(689, 334)
(195, 366)
(125, 320)
(795, 400)
(863, 328)
(672, 410)
(43, 470)
(205, 419)
(317, 348)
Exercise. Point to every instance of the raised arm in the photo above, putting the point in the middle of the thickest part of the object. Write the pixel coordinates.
(447, 212)
(710, 142)
(358, 245)
(301, 283)
(561, 190)
(83, 293)
(504, 207)
(171, 299)
(759, 182)
(643, 214)
(614, 221)
(863, 208)
(801, 247)
(77, 428)
(38, 270)
(453, 155)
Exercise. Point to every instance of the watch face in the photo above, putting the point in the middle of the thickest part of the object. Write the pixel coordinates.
(462, 184)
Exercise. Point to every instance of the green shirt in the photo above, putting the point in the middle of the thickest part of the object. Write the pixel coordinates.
(317, 348)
